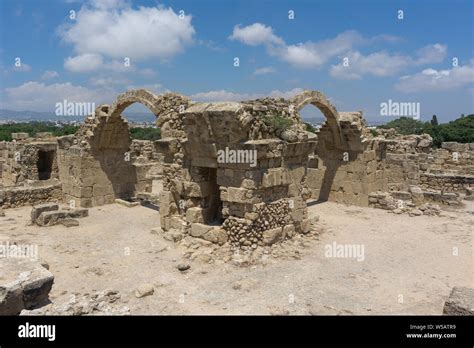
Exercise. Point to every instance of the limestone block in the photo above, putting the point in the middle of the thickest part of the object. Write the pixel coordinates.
(49, 218)
(238, 195)
(200, 229)
(166, 197)
(193, 189)
(369, 155)
(460, 301)
(20, 136)
(23, 284)
(77, 213)
(272, 236)
(216, 235)
(38, 209)
(101, 190)
(195, 214)
(288, 231)
(176, 222)
(306, 225)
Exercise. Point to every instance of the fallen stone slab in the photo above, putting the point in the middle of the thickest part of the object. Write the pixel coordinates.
(126, 203)
(78, 213)
(40, 208)
(24, 284)
(460, 302)
(69, 222)
(50, 218)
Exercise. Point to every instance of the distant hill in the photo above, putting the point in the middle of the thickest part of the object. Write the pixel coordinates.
(29, 116)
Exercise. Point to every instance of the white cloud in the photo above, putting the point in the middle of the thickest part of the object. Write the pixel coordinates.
(49, 74)
(22, 68)
(314, 54)
(378, 64)
(437, 80)
(383, 63)
(84, 62)
(38, 96)
(431, 54)
(309, 55)
(223, 95)
(255, 34)
(108, 81)
(113, 29)
(156, 88)
(264, 71)
(303, 55)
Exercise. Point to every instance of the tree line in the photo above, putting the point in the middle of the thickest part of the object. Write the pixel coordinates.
(32, 128)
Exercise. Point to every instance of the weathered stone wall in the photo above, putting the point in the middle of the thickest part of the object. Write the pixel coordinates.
(101, 163)
(100, 170)
(20, 159)
(224, 201)
(393, 164)
(11, 197)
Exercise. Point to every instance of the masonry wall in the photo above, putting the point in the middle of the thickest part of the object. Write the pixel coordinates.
(20, 158)
(100, 171)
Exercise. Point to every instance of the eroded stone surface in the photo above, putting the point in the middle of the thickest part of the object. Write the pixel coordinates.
(23, 284)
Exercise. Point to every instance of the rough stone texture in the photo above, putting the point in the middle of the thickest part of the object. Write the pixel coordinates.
(106, 302)
(38, 209)
(11, 197)
(238, 202)
(50, 218)
(460, 302)
(20, 159)
(23, 284)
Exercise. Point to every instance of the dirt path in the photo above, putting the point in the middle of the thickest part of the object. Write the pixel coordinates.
(408, 264)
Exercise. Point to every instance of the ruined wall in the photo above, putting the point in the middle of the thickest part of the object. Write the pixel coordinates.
(225, 201)
(345, 175)
(98, 170)
(20, 158)
(11, 197)
(392, 163)
(101, 163)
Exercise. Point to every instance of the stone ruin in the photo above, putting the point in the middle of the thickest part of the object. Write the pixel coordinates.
(231, 173)
(207, 185)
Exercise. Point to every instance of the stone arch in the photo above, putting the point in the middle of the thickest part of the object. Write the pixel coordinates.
(318, 99)
(142, 96)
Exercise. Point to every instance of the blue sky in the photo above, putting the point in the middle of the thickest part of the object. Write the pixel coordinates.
(82, 59)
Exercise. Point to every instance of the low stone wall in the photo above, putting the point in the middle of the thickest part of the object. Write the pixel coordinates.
(12, 197)
(446, 182)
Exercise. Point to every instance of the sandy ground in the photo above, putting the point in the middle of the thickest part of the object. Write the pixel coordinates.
(409, 264)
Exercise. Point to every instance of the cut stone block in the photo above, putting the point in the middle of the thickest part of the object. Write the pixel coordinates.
(49, 218)
(23, 284)
(272, 236)
(40, 208)
(460, 302)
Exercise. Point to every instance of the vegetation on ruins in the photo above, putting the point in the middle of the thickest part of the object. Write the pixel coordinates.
(32, 128)
(278, 123)
(148, 133)
(310, 128)
(460, 130)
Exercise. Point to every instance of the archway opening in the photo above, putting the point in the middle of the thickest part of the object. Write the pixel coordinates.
(44, 164)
